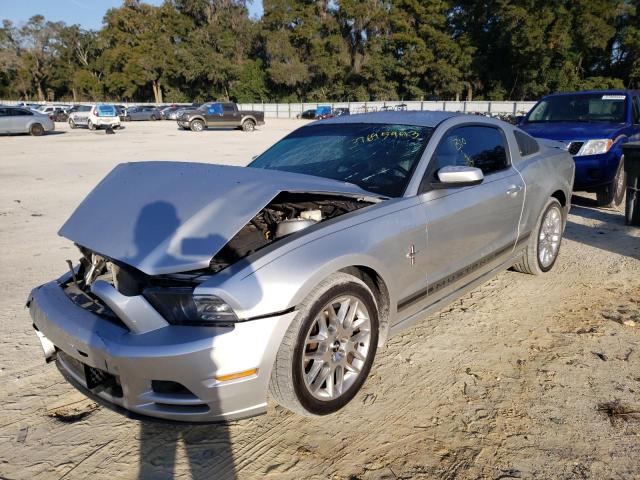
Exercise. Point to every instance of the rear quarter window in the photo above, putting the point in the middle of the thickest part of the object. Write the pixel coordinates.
(526, 143)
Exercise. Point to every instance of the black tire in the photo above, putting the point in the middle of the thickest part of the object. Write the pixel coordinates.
(127, 118)
(612, 195)
(72, 124)
(287, 386)
(530, 262)
(153, 118)
(196, 125)
(248, 125)
(36, 130)
(90, 125)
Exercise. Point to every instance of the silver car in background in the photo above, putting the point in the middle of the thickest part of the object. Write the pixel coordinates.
(24, 120)
(143, 112)
(203, 289)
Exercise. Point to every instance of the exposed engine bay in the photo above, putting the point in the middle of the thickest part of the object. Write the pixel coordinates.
(286, 214)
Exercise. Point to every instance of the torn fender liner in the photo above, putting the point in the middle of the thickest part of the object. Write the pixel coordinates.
(168, 217)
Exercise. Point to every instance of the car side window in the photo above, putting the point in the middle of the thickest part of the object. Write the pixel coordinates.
(4, 112)
(526, 144)
(19, 112)
(215, 109)
(473, 146)
(227, 108)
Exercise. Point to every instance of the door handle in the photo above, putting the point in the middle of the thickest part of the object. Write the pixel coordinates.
(514, 190)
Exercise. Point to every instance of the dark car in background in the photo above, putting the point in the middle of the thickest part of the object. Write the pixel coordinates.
(593, 125)
(170, 112)
(142, 112)
(220, 115)
(307, 114)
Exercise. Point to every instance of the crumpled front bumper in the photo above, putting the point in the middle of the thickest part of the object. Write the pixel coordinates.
(137, 363)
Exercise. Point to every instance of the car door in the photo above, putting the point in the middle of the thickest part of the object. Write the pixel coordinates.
(81, 117)
(470, 229)
(20, 119)
(214, 115)
(231, 116)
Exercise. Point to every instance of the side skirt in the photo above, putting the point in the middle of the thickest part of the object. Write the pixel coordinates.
(446, 300)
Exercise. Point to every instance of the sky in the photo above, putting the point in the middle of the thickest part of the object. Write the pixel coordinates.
(87, 13)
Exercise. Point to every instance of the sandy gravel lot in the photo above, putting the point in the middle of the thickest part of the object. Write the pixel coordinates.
(525, 377)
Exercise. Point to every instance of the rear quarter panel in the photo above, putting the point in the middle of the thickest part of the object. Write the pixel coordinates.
(548, 171)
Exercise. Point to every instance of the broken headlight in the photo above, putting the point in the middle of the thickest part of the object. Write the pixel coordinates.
(180, 306)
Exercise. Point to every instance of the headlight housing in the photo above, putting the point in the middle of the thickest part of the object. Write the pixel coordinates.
(180, 306)
(595, 147)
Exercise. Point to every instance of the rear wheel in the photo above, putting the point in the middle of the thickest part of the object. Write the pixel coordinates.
(544, 243)
(327, 352)
(248, 125)
(612, 195)
(196, 125)
(36, 130)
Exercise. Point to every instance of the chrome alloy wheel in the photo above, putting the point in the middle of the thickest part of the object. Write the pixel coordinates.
(549, 236)
(336, 347)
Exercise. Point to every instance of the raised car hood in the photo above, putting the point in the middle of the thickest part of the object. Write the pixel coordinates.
(168, 217)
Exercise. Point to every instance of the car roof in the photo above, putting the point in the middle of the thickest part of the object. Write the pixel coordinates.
(409, 117)
(612, 91)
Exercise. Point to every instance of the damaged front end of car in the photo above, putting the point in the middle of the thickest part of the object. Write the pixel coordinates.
(136, 311)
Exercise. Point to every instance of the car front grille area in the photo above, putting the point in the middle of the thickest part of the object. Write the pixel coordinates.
(95, 379)
(164, 397)
(91, 303)
(574, 147)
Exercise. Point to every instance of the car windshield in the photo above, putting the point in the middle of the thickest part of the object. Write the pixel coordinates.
(379, 158)
(582, 107)
(106, 111)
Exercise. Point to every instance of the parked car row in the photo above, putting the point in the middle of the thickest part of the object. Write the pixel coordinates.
(323, 112)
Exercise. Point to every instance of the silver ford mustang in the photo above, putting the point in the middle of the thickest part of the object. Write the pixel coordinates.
(204, 289)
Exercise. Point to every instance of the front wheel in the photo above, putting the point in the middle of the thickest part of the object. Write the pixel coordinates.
(327, 352)
(611, 195)
(196, 125)
(153, 118)
(543, 245)
(72, 124)
(91, 125)
(248, 125)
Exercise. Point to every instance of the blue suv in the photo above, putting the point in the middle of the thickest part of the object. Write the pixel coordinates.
(593, 125)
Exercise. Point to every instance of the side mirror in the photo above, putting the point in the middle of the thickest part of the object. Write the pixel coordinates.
(458, 176)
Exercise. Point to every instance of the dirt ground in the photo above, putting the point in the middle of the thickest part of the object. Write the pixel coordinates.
(525, 377)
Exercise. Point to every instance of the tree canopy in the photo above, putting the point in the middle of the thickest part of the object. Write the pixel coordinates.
(317, 50)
